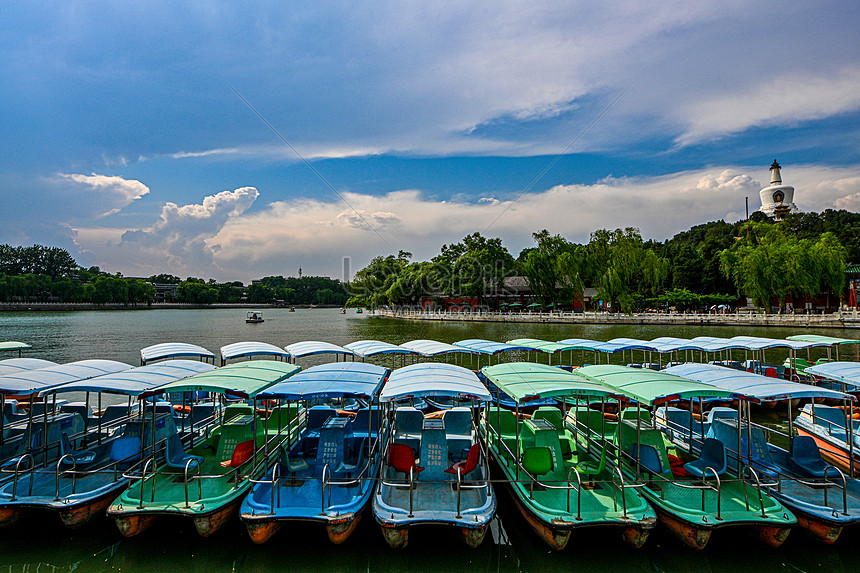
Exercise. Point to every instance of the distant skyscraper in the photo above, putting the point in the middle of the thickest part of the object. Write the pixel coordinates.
(777, 200)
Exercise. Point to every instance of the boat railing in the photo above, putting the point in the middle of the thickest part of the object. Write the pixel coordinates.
(144, 478)
(185, 480)
(578, 492)
(844, 484)
(18, 473)
(718, 490)
(73, 471)
(751, 470)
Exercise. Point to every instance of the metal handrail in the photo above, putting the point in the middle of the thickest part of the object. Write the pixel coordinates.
(718, 490)
(844, 488)
(26, 456)
(758, 487)
(199, 483)
(74, 475)
(325, 483)
(622, 486)
(144, 478)
(578, 492)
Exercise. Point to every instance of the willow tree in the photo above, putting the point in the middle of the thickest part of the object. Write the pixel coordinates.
(631, 268)
(554, 268)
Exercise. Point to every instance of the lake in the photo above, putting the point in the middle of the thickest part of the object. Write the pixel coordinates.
(37, 545)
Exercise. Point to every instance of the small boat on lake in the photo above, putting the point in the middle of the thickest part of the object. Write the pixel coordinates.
(208, 482)
(435, 469)
(820, 496)
(691, 492)
(94, 450)
(558, 476)
(254, 317)
(328, 474)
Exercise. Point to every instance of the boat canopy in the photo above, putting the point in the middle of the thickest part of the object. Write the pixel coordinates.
(540, 345)
(136, 381)
(433, 348)
(13, 365)
(243, 349)
(758, 343)
(591, 345)
(243, 379)
(649, 387)
(635, 344)
(367, 348)
(823, 340)
(755, 386)
(525, 381)
(13, 345)
(488, 346)
(173, 350)
(311, 347)
(33, 381)
(333, 380)
(433, 379)
(840, 371)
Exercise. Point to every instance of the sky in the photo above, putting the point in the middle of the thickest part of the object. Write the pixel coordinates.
(235, 140)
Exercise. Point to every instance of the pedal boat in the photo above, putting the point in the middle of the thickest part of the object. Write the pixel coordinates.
(691, 506)
(434, 469)
(328, 474)
(559, 480)
(822, 498)
(207, 483)
(92, 453)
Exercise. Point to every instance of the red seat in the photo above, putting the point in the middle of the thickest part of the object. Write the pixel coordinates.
(470, 464)
(241, 454)
(401, 459)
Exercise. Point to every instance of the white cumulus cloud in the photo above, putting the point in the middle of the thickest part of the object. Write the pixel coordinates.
(110, 191)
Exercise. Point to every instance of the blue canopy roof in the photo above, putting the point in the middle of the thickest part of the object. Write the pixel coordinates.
(634, 344)
(488, 346)
(32, 381)
(334, 380)
(756, 386)
(243, 349)
(173, 350)
(592, 345)
(840, 371)
(13, 365)
(135, 381)
(365, 348)
(311, 347)
(433, 379)
(433, 347)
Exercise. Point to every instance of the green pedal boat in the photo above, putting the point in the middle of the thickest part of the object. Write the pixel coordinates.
(560, 482)
(207, 484)
(692, 495)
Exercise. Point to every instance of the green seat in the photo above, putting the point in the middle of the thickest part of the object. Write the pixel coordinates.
(537, 460)
(592, 468)
(551, 415)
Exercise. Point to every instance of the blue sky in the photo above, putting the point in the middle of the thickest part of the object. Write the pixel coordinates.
(129, 142)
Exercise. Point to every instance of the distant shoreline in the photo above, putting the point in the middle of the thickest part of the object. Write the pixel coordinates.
(838, 320)
(72, 306)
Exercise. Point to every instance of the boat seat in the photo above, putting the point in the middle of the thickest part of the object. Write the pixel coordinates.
(634, 413)
(348, 466)
(401, 459)
(648, 457)
(408, 421)
(241, 454)
(467, 467)
(175, 456)
(537, 461)
(82, 458)
(317, 416)
(292, 464)
(713, 456)
(365, 419)
(551, 415)
(807, 457)
(124, 449)
(592, 468)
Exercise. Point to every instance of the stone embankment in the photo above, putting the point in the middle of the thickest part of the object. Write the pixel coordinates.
(843, 319)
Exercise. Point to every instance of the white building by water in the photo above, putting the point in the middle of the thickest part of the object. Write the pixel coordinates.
(777, 200)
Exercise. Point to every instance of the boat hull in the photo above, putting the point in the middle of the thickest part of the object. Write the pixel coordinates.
(9, 515)
(691, 535)
(824, 532)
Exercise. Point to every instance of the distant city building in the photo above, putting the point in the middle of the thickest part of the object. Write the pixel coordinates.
(777, 200)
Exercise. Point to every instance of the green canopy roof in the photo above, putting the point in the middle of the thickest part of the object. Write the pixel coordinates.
(649, 387)
(527, 380)
(243, 379)
(822, 339)
(541, 345)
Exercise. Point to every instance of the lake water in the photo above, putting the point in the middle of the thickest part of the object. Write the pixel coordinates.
(43, 545)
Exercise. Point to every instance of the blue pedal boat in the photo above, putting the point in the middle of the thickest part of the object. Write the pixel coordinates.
(435, 468)
(92, 451)
(822, 498)
(328, 474)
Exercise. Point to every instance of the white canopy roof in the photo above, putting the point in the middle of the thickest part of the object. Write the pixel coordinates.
(32, 381)
(243, 349)
(135, 381)
(433, 348)
(173, 350)
(433, 379)
(13, 365)
(365, 348)
(309, 347)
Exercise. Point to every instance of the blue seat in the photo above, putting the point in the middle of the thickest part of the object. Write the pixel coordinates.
(175, 456)
(713, 456)
(806, 456)
(124, 449)
(317, 417)
(649, 458)
(81, 458)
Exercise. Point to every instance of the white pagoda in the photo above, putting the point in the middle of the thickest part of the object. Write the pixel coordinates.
(777, 200)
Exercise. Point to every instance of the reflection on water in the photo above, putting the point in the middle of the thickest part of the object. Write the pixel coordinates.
(41, 544)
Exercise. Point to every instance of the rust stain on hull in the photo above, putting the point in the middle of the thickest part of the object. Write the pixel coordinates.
(824, 532)
(208, 524)
(262, 531)
(340, 531)
(396, 538)
(689, 534)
